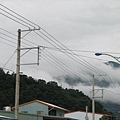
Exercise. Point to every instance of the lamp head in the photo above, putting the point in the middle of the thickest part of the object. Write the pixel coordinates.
(98, 53)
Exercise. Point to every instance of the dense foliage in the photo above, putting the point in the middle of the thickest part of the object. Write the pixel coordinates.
(31, 89)
(114, 107)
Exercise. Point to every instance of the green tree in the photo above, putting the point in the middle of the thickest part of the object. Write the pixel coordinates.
(31, 89)
(104, 118)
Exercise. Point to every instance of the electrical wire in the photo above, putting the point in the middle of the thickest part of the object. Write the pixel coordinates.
(8, 40)
(112, 92)
(60, 44)
(64, 65)
(19, 15)
(57, 49)
(16, 17)
(109, 94)
(88, 51)
(45, 46)
(51, 48)
(7, 44)
(7, 69)
(73, 58)
(53, 63)
(14, 20)
(13, 39)
(27, 44)
(113, 85)
(9, 59)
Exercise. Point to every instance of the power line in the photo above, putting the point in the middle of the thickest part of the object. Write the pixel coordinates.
(112, 92)
(14, 20)
(56, 42)
(7, 69)
(8, 40)
(109, 94)
(12, 38)
(51, 48)
(16, 17)
(82, 60)
(57, 49)
(70, 56)
(86, 64)
(7, 44)
(90, 51)
(51, 61)
(16, 36)
(114, 86)
(64, 65)
(111, 80)
(43, 46)
(7, 36)
(19, 15)
(9, 59)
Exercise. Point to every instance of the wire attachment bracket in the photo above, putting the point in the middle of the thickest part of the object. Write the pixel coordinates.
(38, 54)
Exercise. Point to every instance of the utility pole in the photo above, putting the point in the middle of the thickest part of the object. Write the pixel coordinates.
(86, 117)
(93, 99)
(17, 75)
(94, 91)
(18, 69)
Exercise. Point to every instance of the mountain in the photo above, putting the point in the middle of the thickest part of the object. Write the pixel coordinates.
(115, 108)
(73, 81)
(113, 64)
(31, 89)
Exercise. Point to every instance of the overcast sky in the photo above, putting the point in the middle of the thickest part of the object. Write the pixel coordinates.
(86, 26)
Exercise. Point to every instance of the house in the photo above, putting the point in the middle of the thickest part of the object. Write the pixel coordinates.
(6, 118)
(37, 110)
(81, 115)
(38, 107)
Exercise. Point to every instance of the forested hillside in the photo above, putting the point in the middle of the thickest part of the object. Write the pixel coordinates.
(31, 89)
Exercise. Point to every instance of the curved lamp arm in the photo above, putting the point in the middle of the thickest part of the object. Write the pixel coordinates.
(116, 58)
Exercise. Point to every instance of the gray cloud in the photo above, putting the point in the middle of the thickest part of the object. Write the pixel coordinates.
(85, 25)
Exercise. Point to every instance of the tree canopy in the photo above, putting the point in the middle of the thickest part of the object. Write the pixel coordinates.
(31, 89)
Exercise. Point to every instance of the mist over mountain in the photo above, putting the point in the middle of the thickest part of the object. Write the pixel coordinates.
(114, 107)
(74, 81)
(50, 92)
(31, 89)
(113, 64)
(71, 81)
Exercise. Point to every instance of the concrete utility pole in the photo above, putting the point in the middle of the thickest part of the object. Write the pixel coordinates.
(93, 96)
(18, 69)
(86, 116)
(93, 99)
(17, 75)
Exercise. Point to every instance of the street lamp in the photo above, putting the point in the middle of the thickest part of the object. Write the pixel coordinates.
(99, 53)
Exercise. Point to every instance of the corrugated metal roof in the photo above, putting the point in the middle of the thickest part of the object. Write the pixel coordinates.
(80, 115)
(45, 103)
(90, 112)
